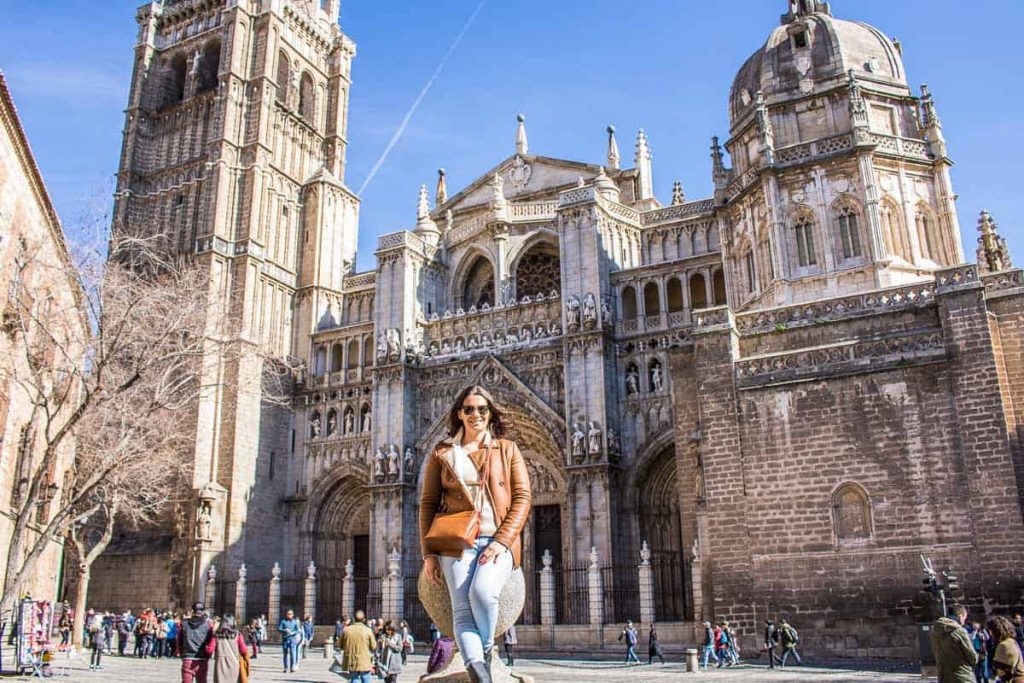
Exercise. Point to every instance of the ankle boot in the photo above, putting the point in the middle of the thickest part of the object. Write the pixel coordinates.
(479, 673)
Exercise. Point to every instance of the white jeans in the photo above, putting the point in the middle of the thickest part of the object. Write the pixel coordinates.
(475, 589)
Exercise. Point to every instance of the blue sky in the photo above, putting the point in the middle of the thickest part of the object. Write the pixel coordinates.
(571, 67)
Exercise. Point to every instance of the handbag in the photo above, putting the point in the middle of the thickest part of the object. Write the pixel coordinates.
(454, 532)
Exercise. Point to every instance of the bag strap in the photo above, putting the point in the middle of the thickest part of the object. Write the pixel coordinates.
(484, 474)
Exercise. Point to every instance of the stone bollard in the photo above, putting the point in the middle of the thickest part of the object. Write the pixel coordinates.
(309, 594)
(211, 590)
(692, 663)
(645, 576)
(240, 597)
(329, 649)
(547, 591)
(274, 601)
(595, 590)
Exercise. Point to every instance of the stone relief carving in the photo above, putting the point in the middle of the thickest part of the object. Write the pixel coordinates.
(594, 441)
(632, 380)
(589, 310)
(657, 380)
(394, 463)
(378, 465)
(578, 438)
(520, 174)
(204, 522)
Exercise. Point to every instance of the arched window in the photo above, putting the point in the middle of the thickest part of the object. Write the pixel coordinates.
(477, 285)
(803, 228)
(928, 236)
(851, 513)
(336, 354)
(718, 285)
(353, 354)
(698, 292)
(674, 294)
(283, 77)
(749, 272)
(698, 243)
(307, 99)
(320, 366)
(628, 304)
(892, 231)
(849, 232)
(368, 355)
(538, 270)
(174, 81)
(652, 299)
(209, 68)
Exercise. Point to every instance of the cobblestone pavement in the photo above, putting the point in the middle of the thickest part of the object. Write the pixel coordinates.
(267, 669)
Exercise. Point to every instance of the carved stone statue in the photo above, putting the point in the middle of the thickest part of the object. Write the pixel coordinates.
(366, 421)
(606, 311)
(332, 423)
(645, 554)
(197, 59)
(204, 522)
(497, 189)
(350, 569)
(382, 347)
(409, 464)
(589, 310)
(527, 334)
(378, 465)
(314, 425)
(614, 445)
(577, 444)
(632, 381)
(394, 344)
(572, 312)
(311, 570)
(350, 423)
(394, 464)
(657, 382)
(594, 440)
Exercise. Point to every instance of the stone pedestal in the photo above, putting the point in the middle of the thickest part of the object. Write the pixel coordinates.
(240, 597)
(309, 594)
(211, 590)
(595, 589)
(645, 575)
(348, 591)
(547, 591)
(274, 601)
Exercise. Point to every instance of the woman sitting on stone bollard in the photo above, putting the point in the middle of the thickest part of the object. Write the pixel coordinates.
(474, 503)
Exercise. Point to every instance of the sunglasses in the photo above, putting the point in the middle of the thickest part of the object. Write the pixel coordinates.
(469, 410)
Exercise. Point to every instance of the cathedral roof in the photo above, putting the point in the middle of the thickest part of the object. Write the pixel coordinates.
(813, 51)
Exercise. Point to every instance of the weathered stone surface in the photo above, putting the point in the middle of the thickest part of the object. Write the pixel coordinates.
(438, 604)
(455, 672)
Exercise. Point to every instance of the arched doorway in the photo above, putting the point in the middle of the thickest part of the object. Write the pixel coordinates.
(341, 532)
(476, 287)
(658, 514)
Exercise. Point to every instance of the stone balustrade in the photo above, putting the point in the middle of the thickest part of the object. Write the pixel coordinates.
(522, 321)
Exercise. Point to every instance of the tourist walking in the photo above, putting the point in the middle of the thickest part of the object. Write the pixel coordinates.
(357, 647)
(708, 646)
(64, 627)
(771, 639)
(230, 656)
(790, 640)
(339, 628)
(979, 641)
(407, 641)
(510, 640)
(307, 634)
(474, 504)
(630, 635)
(290, 629)
(124, 633)
(654, 647)
(1007, 662)
(97, 641)
(390, 653)
(194, 635)
(954, 653)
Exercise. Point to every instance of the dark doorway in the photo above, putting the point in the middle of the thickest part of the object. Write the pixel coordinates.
(546, 529)
(361, 560)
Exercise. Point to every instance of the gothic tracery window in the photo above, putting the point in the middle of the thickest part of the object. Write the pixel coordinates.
(803, 228)
(283, 77)
(893, 232)
(751, 274)
(539, 271)
(851, 513)
(849, 232)
(307, 99)
(927, 235)
(477, 286)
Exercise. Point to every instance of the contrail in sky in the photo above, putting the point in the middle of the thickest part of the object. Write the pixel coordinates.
(415, 105)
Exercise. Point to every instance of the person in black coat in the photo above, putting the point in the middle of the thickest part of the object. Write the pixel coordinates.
(654, 647)
(771, 639)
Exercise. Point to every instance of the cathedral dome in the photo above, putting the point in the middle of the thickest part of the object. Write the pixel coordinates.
(812, 51)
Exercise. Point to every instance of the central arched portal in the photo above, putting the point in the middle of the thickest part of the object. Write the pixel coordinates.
(341, 532)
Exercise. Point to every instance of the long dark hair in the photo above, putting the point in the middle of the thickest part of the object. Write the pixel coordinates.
(1000, 628)
(497, 423)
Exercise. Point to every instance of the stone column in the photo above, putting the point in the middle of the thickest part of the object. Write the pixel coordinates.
(240, 614)
(646, 585)
(393, 590)
(696, 583)
(211, 589)
(547, 591)
(348, 590)
(274, 600)
(595, 586)
(310, 592)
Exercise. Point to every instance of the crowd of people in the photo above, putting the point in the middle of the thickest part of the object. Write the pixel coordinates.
(972, 652)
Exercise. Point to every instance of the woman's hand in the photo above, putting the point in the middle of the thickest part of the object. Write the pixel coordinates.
(492, 552)
(432, 568)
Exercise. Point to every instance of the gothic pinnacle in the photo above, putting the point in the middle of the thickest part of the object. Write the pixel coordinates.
(522, 146)
(678, 196)
(613, 150)
(993, 253)
(442, 188)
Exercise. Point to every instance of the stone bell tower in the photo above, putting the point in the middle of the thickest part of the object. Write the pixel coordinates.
(234, 154)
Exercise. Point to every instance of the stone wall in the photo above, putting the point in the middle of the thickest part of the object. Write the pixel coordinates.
(132, 575)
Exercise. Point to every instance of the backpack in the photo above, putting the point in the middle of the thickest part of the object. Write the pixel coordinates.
(793, 635)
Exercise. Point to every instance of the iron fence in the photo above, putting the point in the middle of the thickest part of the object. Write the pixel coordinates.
(256, 600)
(330, 595)
(414, 613)
(292, 597)
(621, 593)
(372, 599)
(671, 591)
(531, 606)
(224, 597)
(572, 594)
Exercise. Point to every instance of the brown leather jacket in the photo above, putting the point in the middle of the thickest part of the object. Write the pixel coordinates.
(508, 484)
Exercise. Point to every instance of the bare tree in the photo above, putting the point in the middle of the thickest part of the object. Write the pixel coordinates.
(111, 410)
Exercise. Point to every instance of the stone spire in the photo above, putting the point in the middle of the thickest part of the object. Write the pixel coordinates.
(858, 111)
(931, 123)
(613, 150)
(718, 172)
(802, 8)
(764, 130)
(425, 226)
(642, 161)
(442, 188)
(522, 146)
(678, 197)
(993, 254)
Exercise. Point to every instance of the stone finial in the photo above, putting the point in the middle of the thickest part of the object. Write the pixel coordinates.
(311, 570)
(424, 223)
(522, 146)
(765, 130)
(928, 112)
(642, 161)
(718, 172)
(449, 220)
(394, 562)
(547, 559)
(678, 196)
(606, 186)
(593, 558)
(993, 253)
(242, 573)
(645, 554)
(350, 569)
(613, 150)
(802, 8)
(211, 573)
(441, 196)
(275, 571)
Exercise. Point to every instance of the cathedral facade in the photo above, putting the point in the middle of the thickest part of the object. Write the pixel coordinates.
(779, 397)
